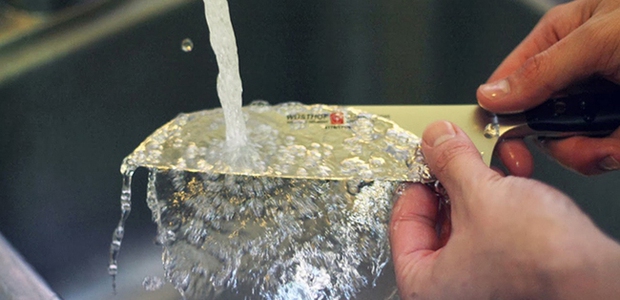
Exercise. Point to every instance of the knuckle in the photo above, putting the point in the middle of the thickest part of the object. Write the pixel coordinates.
(554, 14)
(535, 69)
(535, 65)
(559, 25)
(602, 48)
(608, 48)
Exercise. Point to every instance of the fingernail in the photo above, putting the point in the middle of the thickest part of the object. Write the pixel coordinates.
(438, 132)
(495, 90)
(609, 163)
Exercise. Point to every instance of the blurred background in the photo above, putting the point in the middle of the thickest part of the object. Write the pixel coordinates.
(83, 82)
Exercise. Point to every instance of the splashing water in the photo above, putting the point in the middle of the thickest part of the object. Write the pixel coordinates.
(231, 236)
(262, 233)
(153, 283)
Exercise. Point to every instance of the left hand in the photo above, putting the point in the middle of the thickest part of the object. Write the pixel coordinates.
(506, 237)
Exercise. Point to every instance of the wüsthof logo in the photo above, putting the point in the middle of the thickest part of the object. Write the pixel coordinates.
(310, 118)
(336, 118)
(333, 120)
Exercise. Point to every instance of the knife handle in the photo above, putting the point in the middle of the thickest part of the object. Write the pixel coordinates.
(596, 113)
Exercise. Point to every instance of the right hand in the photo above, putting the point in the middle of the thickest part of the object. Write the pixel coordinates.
(571, 43)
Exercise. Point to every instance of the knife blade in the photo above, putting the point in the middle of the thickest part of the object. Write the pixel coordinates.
(293, 140)
(471, 118)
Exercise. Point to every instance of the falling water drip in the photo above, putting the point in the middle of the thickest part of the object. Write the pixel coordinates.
(119, 232)
(187, 45)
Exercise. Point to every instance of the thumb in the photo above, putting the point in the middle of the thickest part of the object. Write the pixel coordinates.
(454, 160)
(543, 74)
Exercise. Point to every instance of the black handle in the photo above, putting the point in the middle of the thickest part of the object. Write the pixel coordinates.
(591, 112)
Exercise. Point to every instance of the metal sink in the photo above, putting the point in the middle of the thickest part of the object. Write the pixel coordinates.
(76, 98)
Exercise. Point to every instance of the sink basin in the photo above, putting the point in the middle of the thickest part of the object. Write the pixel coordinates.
(77, 98)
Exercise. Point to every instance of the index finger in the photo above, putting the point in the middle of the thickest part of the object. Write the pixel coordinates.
(556, 24)
(412, 226)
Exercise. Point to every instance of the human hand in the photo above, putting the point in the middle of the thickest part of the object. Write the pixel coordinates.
(506, 237)
(571, 43)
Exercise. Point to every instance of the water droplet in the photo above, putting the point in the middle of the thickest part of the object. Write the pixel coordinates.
(353, 187)
(491, 131)
(152, 283)
(259, 103)
(187, 45)
(376, 162)
(302, 172)
(112, 270)
(289, 140)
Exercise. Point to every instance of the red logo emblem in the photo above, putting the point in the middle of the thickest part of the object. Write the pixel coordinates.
(336, 118)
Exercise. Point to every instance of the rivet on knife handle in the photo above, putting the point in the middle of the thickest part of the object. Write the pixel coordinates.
(587, 113)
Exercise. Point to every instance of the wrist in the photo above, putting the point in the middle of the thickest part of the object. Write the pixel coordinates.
(587, 268)
(590, 272)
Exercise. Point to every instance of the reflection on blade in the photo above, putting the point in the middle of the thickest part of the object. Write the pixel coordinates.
(470, 118)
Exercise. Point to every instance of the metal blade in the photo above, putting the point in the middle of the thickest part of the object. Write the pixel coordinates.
(310, 141)
(473, 120)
